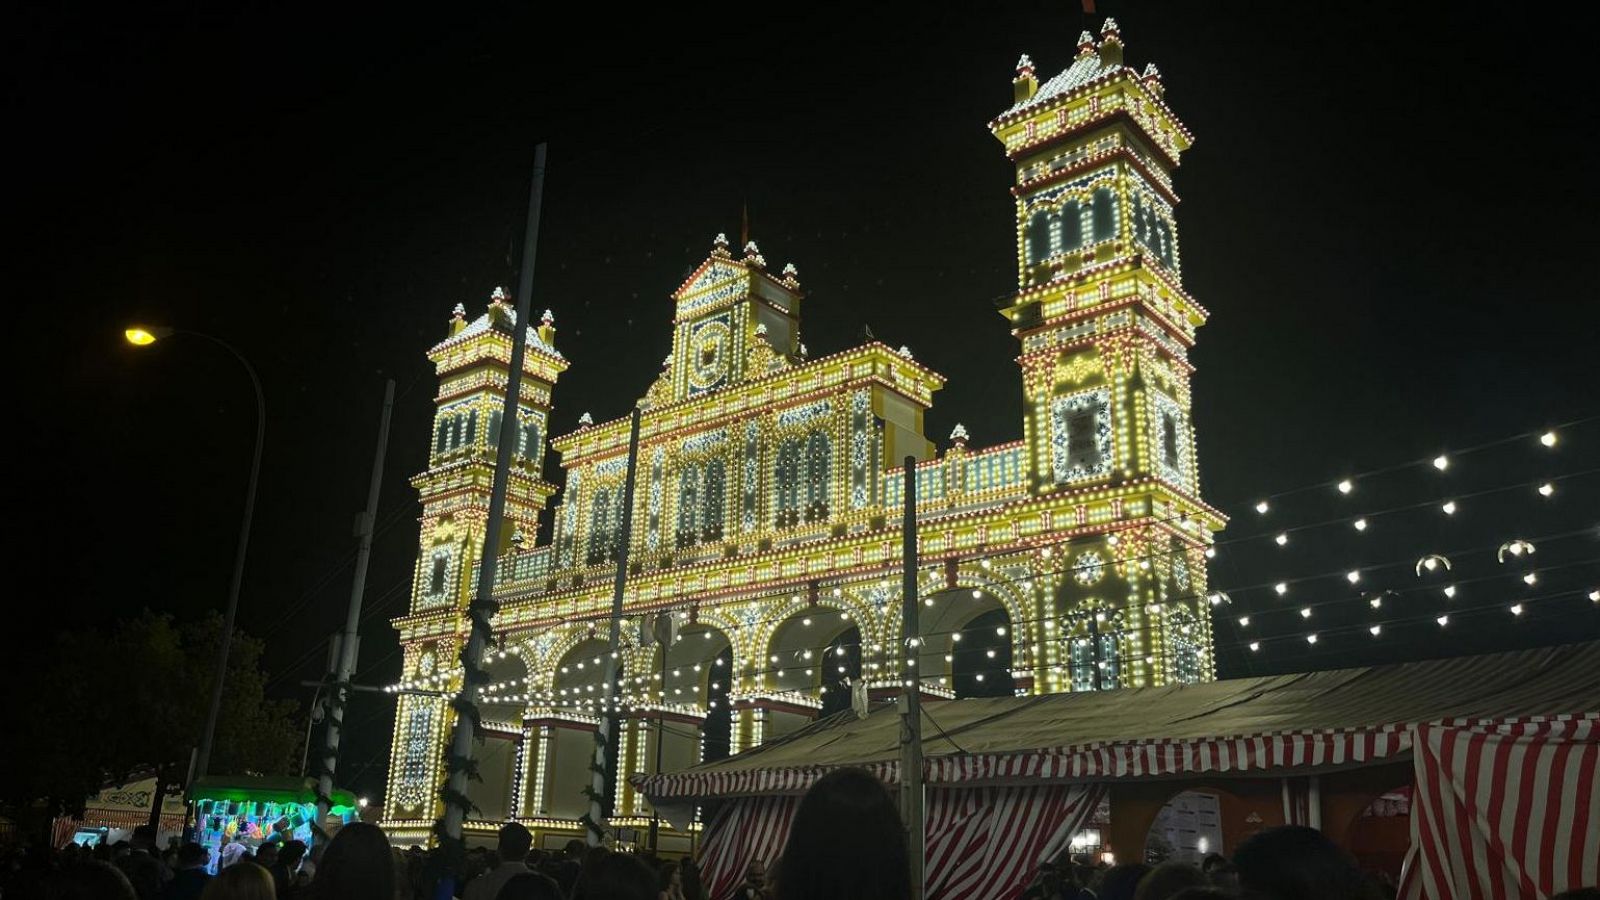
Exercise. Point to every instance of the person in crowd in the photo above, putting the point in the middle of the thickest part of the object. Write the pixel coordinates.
(1293, 862)
(231, 851)
(143, 868)
(87, 880)
(1220, 871)
(1167, 879)
(846, 843)
(1119, 882)
(754, 886)
(1052, 882)
(530, 886)
(267, 856)
(512, 848)
(669, 880)
(242, 881)
(571, 865)
(693, 888)
(287, 866)
(191, 878)
(616, 876)
(356, 866)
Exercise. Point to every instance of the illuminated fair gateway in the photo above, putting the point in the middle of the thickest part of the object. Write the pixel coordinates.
(766, 519)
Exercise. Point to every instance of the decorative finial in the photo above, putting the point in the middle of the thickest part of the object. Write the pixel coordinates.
(752, 255)
(803, 352)
(458, 319)
(1109, 27)
(460, 312)
(906, 352)
(1024, 66)
(761, 329)
(791, 275)
(1085, 45)
(585, 420)
(719, 246)
(667, 363)
(959, 435)
(1110, 44)
(518, 540)
(1152, 80)
(499, 295)
(549, 318)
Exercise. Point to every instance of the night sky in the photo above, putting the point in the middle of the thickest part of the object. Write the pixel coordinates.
(1388, 210)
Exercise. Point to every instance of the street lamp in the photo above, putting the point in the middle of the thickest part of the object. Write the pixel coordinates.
(143, 336)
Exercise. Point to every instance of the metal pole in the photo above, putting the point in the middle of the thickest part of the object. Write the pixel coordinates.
(1094, 648)
(203, 755)
(608, 712)
(350, 640)
(911, 691)
(483, 605)
(661, 740)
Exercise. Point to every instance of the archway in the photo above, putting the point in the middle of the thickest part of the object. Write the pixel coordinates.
(804, 655)
(501, 706)
(567, 737)
(965, 637)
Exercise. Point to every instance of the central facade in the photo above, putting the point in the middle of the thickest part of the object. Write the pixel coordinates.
(766, 538)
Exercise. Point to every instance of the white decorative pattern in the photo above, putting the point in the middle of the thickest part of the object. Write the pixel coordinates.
(1089, 568)
(1086, 454)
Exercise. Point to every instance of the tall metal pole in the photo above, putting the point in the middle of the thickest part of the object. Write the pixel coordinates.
(608, 712)
(349, 641)
(483, 605)
(911, 798)
(203, 755)
(661, 737)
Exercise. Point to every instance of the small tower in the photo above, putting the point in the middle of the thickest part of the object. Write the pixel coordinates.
(1105, 326)
(722, 311)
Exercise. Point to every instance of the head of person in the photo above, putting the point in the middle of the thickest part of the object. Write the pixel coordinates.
(575, 849)
(245, 881)
(691, 878)
(267, 855)
(846, 842)
(668, 876)
(1168, 879)
(1119, 882)
(356, 865)
(1293, 862)
(618, 876)
(515, 840)
(291, 854)
(193, 856)
(755, 873)
(88, 880)
(144, 838)
(531, 886)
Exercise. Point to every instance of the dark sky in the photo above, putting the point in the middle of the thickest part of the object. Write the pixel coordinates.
(1389, 210)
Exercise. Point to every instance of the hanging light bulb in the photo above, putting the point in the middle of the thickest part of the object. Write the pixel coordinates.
(1305, 612)
(1352, 576)
(1443, 621)
(1281, 587)
(1449, 507)
(1360, 524)
(1376, 630)
(1211, 553)
(1548, 439)
(1441, 462)
(1346, 486)
(1244, 621)
(1450, 591)
(1262, 507)
(1516, 609)
(1311, 638)
(1254, 646)
(1530, 578)
(1546, 489)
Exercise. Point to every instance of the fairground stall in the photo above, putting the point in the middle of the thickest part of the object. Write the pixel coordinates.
(112, 814)
(257, 811)
(1444, 764)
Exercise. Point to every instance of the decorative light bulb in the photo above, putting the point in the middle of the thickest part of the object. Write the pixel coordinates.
(1377, 602)
(1548, 439)
(1443, 621)
(1530, 578)
(1516, 609)
(1282, 538)
(1244, 621)
(1449, 507)
(1441, 462)
(1211, 553)
(1254, 646)
(1311, 638)
(1450, 591)
(1281, 587)
(1346, 486)
(1262, 507)
(1361, 524)
(1352, 576)
(1305, 612)
(1546, 489)
(1376, 630)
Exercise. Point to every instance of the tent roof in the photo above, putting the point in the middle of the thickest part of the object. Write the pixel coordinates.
(276, 789)
(964, 739)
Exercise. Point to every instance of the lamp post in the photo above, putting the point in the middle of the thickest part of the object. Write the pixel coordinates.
(143, 337)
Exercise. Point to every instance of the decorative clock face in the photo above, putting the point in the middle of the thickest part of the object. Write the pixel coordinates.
(710, 355)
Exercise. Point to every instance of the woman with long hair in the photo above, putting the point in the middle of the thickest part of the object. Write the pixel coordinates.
(847, 843)
(356, 866)
(241, 881)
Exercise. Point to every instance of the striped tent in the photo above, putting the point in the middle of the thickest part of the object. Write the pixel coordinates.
(1274, 726)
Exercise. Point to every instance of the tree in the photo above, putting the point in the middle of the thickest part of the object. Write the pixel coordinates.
(99, 706)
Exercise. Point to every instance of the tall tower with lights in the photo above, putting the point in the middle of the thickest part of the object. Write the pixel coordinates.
(473, 363)
(1106, 326)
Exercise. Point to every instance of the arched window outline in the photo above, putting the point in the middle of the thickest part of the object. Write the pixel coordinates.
(1103, 214)
(1069, 227)
(819, 469)
(689, 506)
(786, 471)
(530, 440)
(495, 418)
(1038, 238)
(602, 540)
(1083, 661)
(713, 500)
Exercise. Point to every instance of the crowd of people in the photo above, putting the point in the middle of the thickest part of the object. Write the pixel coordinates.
(846, 843)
